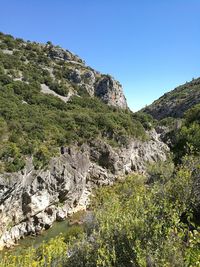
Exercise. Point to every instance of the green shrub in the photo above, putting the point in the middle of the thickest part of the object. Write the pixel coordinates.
(187, 139)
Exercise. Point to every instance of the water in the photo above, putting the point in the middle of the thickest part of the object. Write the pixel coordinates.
(34, 241)
(57, 228)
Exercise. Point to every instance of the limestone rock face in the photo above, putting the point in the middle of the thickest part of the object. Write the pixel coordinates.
(75, 76)
(31, 200)
(59, 53)
(110, 91)
(89, 78)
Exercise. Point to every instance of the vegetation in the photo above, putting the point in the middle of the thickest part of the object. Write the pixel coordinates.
(137, 222)
(186, 138)
(37, 124)
(141, 221)
(48, 254)
(176, 102)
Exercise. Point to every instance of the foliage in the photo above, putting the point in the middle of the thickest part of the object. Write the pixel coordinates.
(193, 115)
(146, 119)
(168, 122)
(187, 139)
(138, 222)
(53, 253)
(38, 124)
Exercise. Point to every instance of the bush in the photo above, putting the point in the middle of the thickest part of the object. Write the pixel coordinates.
(187, 139)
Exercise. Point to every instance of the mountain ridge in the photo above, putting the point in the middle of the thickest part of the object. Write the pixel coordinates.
(68, 69)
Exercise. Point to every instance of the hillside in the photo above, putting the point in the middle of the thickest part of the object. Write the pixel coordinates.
(176, 102)
(65, 129)
(49, 98)
(58, 71)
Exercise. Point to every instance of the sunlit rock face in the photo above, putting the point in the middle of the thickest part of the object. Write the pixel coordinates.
(85, 78)
(110, 91)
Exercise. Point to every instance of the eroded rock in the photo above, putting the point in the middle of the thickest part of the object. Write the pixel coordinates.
(110, 91)
(30, 201)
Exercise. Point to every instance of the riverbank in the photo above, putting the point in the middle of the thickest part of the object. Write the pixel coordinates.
(67, 228)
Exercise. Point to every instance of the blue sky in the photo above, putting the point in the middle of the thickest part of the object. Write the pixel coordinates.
(150, 46)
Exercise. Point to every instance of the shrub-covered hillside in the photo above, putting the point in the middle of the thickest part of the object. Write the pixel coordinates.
(46, 102)
(176, 102)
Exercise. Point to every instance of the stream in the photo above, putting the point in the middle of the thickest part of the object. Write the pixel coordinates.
(57, 228)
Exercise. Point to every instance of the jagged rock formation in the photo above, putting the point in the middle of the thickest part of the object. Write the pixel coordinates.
(96, 84)
(176, 102)
(110, 91)
(31, 200)
(62, 54)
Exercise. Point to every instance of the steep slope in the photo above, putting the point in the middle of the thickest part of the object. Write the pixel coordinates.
(176, 102)
(57, 71)
(64, 129)
(50, 98)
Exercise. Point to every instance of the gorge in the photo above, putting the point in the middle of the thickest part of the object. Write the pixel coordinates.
(66, 131)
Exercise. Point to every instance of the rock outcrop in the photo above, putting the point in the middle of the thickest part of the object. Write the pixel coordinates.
(85, 78)
(31, 200)
(59, 53)
(110, 91)
(63, 72)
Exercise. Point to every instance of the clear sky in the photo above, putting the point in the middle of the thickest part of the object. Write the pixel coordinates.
(150, 46)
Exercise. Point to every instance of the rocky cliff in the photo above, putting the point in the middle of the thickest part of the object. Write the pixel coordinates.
(176, 102)
(31, 200)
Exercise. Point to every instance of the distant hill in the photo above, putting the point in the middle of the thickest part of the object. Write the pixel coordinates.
(176, 102)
